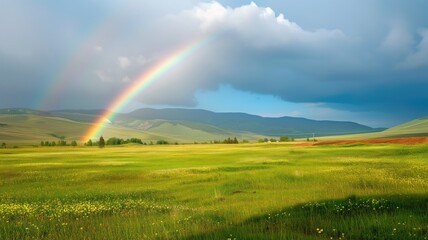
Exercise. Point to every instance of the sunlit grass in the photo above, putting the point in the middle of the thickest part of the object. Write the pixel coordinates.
(247, 191)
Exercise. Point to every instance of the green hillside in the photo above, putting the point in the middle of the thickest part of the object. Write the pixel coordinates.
(29, 127)
(415, 128)
(185, 131)
(418, 127)
(221, 124)
(17, 129)
(87, 117)
(242, 122)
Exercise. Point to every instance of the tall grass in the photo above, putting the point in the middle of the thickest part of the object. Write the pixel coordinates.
(250, 191)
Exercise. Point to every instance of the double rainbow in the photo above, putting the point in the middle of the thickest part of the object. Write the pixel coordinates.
(140, 84)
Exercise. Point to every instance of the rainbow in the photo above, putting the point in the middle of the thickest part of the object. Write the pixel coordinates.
(140, 84)
(71, 68)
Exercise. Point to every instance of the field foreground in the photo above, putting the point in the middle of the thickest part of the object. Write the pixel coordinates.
(246, 191)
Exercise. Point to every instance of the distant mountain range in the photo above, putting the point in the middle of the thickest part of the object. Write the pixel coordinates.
(172, 124)
(291, 126)
(28, 126)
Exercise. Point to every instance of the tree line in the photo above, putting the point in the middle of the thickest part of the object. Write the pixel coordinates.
(231, 141)
(120, 141)
(281, 139)
(58, 143)
(101, 142)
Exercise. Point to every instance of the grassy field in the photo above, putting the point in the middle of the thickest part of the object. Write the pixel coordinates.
(415, 128)
(245, 191)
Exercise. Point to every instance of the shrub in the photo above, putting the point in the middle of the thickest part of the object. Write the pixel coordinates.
(161, 142)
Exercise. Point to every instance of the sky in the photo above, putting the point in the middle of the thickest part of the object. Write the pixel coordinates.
(354, 60)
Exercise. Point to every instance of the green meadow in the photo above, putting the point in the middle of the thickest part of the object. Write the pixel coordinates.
(245, 191)
(415, 128)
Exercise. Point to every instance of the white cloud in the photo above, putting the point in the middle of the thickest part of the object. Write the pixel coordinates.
(124, 62)
(126, 79)
(257, 25)
(142, 60)
(98, 48)
(209, 14)
(256, 50)
(103, 76)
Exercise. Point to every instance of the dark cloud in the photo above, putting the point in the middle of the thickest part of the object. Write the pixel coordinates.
(261, 54)
(360, 56)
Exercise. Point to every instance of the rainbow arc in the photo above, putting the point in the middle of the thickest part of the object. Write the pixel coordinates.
(140, 84)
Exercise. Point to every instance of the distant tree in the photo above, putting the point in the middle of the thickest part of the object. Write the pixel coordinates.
(273, 140)
(161, 142)
(230, 140)
(307, 140)
(116, 141)
(245, 141)
(134, 140)
(111, 141)
(47, 144)
(284, 139)
(266, 140)
(73, 143)
(53, 143)
(101, 142)
(3, 145)
(42, 143)
(89, 143)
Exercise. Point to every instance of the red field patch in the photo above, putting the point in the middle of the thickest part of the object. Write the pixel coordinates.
(405, 141)
(305, 144)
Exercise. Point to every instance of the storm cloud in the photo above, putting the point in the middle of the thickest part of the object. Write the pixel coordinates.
(364, 57)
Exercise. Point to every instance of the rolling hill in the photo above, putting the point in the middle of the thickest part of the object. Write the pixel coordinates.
(418, 127)
(30, 128)
(415, 128)
(218, 125)
(175, 125)
(291, 126)
(187, 131)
